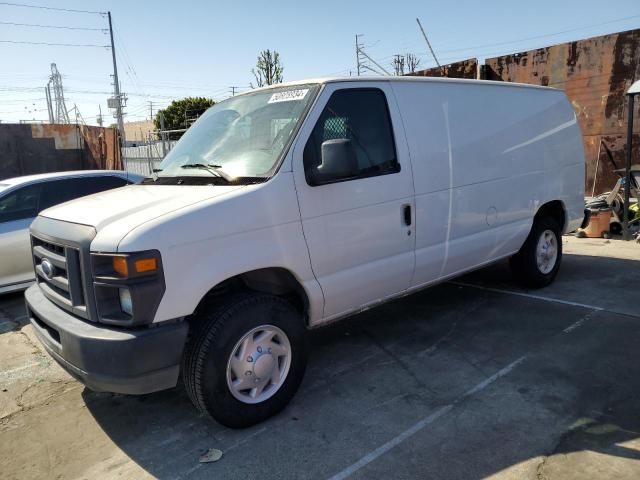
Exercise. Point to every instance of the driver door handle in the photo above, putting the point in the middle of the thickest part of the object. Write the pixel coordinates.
(406, 213)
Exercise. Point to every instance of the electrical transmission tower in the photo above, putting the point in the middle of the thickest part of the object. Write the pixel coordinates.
(57, 113)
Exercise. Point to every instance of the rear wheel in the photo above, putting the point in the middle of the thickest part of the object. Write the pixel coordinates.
(245, 359)
(538, 261)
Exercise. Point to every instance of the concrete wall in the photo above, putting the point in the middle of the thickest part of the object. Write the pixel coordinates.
(38, 148)
(138, 131)
(595, 73)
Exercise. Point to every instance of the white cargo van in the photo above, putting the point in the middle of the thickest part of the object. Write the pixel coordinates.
(289, 207)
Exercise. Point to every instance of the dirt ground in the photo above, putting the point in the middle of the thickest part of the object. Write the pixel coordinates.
(475, 378)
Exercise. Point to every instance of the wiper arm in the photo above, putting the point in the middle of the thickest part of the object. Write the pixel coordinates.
(211, 168)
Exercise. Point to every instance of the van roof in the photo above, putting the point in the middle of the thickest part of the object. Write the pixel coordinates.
(404, 79)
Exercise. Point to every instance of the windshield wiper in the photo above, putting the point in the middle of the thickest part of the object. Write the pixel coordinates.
(211, 168)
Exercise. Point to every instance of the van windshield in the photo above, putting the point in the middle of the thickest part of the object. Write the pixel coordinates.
(243, 136)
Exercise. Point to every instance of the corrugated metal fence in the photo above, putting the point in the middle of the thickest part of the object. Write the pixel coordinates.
(26, 149)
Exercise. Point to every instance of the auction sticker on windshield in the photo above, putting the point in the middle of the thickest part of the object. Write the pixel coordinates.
(288, 96)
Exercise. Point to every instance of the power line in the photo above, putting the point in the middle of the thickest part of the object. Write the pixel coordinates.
(55, 44)
(524, 39)
(123, 54)
(42, 7)
(538, 36)
(63, 27)
(374, 62)
(508, 42)
(362, 65)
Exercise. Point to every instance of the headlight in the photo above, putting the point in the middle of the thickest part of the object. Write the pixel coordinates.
(128, 286)
(125, 301)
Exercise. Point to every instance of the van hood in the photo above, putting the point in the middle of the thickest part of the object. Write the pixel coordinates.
(134, 204)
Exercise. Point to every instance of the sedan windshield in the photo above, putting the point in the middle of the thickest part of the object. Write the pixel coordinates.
(243, 136)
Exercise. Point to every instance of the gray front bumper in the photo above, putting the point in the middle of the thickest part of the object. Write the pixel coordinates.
(107, 359)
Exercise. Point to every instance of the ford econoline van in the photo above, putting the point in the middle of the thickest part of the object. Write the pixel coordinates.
(292, 206)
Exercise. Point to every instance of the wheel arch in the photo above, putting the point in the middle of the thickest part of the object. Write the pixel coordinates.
(278, 281)
(556, 210)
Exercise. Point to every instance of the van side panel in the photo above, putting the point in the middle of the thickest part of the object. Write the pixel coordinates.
(485, 157)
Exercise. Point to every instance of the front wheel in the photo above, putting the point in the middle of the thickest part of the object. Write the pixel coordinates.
(538, 261)
(245, 359)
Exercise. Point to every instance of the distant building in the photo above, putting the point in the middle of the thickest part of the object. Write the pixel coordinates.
(137, 133)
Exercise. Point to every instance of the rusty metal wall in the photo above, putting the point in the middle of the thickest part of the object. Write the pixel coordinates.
(38, 148)
(463, 69)
(595, 73)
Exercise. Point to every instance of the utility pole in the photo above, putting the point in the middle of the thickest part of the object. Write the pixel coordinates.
(116, 85)
(47, 92)
(358, 53)
(162, 134)
(429, 45)
(233, 91)
(150, 110)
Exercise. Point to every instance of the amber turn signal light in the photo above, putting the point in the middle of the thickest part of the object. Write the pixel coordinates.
(145, 265)
(120, 266)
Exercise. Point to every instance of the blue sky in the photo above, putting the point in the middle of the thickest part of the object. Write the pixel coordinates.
(169, 49)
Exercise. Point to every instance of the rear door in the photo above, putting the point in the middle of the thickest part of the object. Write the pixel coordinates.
(359, 228)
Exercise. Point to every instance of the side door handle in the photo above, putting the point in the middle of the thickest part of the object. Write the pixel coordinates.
(406, 214)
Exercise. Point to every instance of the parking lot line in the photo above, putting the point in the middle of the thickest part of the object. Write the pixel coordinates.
(381, 450)
(527, 295)
(575, 325)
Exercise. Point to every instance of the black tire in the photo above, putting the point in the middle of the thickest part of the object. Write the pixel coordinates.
(215, 332)
(524, 266)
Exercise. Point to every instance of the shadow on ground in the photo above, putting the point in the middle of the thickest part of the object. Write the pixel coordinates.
(12, 312)
(599, 281)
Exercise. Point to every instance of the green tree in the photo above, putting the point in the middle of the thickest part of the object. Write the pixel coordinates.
(268, 69)
(181, 114)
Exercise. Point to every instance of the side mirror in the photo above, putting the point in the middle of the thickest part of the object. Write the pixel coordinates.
(339, 160)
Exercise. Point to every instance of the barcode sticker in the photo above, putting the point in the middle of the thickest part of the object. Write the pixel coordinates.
(288, 96)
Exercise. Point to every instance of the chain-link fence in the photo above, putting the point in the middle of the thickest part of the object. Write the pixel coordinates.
(145, 156)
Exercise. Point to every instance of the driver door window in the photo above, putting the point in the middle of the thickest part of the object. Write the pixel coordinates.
(360, 116)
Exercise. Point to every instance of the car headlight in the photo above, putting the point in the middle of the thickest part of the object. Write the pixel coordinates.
(128, 286)
(125, 301)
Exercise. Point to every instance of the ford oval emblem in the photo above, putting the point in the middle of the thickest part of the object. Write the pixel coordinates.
(47, 268)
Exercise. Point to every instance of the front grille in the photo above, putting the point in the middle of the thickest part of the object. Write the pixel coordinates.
(59, 275)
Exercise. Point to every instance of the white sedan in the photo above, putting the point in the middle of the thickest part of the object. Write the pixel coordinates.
(22, 198)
